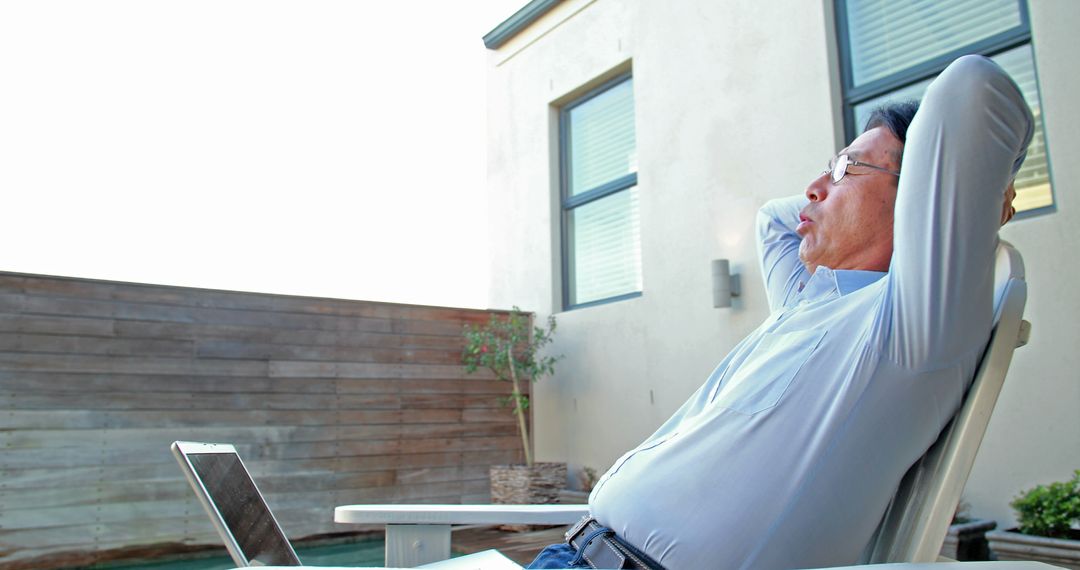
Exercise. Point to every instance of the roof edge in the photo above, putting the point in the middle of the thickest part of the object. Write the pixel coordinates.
(521, 19)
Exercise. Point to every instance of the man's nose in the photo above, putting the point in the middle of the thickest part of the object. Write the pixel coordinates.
(818, 188)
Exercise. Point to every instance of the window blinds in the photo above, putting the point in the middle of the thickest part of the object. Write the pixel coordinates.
(606, 244)
(887, 36)
(602, 142)
(1033, 180)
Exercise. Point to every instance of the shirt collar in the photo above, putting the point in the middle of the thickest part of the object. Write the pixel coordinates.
(825, 281)
(851, 280)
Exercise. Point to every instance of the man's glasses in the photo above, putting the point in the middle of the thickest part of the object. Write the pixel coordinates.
(838, 168)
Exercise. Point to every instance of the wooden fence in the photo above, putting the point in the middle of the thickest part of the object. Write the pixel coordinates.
(329, 402)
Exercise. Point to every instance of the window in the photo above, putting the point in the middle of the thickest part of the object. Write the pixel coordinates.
(601, 245)
(893, 49)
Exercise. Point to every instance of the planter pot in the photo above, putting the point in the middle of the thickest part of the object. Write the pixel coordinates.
(967, 541)
(571, 497)
(523, 485)
(1007, 545)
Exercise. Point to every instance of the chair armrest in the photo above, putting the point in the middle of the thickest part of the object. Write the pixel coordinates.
(460, 514)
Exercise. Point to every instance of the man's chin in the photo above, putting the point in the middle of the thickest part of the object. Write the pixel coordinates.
(807, 257)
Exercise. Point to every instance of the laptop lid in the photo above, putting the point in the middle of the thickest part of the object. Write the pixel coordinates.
(225, 488)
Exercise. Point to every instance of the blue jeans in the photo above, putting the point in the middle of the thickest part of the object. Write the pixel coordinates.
(557, 556)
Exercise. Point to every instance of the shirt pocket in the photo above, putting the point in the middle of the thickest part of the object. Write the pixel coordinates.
(765, 375)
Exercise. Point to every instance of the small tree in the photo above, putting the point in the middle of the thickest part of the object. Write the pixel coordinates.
(507, 347)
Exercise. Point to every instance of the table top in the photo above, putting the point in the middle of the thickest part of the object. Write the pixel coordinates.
(460, 514)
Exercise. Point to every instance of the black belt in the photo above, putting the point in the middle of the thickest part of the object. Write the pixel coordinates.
(602, 548)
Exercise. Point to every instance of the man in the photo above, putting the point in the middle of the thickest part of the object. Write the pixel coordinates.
(881, 286)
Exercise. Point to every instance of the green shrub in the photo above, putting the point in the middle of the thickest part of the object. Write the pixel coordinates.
(1049, 510)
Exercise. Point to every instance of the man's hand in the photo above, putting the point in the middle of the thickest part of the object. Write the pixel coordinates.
(1007, 209)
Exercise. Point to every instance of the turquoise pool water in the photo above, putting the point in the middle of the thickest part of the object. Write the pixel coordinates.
(368, 552)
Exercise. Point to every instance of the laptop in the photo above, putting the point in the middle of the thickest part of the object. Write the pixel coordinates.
(225, 488)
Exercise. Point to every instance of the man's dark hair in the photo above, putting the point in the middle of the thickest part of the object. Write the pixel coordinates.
(895, 116)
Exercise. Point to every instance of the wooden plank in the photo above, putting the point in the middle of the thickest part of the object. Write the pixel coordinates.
(19, 323)
(46, 439)
(110, 514)
(360, 370)
(131, 364)
(41, 477)
(90, 419)
(116, 490)
(12, 302)
(69, 344)
(521, 547)
(213, 348)
(104, 491)
(225, 402)
(63, 306)
(195, 297)
(105, 514)
(149, 437)
(22, 381)
(468, 385)
(58, 383)
(68, 457)
(79, 307)
(194, 528)
(284, 336)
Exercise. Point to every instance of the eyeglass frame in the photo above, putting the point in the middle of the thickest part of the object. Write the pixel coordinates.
(843, 161)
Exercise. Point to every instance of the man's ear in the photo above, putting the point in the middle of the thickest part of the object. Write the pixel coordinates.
(1007, 209)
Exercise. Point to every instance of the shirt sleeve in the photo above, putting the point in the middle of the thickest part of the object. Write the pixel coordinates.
(965, 143)
(778, 249)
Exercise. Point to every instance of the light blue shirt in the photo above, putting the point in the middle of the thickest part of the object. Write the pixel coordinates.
(789, 454)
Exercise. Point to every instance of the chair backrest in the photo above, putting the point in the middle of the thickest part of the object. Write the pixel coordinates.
(914, 526)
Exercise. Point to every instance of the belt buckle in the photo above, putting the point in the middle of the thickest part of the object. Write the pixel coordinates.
(570, 534)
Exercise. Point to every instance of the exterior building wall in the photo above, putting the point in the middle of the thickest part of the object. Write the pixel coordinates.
(736, 102)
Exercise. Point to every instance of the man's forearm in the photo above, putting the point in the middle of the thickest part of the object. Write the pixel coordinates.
(778, 248)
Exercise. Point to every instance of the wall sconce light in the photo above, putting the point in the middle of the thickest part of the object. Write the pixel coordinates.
(724, 284)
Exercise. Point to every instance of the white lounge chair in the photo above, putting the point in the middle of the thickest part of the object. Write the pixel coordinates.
(911, 532)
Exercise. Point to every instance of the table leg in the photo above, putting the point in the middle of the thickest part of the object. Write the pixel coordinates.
(410, 545)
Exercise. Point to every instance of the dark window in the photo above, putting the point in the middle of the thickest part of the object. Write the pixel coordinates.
(601, 231)
(892, 49)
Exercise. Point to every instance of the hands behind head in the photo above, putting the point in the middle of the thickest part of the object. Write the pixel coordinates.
(1007, 209)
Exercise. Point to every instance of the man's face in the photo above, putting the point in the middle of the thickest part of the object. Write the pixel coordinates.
(849, 225)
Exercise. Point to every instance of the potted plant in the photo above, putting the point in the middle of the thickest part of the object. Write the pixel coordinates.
(509, 347)
(586, 481)
(966, 539)
(1046, 531)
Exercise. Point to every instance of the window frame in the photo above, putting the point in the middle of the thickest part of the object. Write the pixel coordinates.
(568, 203)
(1000, 42)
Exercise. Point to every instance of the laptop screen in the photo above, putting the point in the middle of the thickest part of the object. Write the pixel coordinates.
(245, 513)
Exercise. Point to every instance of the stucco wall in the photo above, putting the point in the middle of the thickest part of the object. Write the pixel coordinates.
(736, 103)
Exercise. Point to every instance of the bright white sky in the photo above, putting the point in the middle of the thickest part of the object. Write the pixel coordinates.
(327, 148)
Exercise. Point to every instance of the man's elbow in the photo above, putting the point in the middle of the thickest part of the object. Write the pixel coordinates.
(974, 82)
(976, 94)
